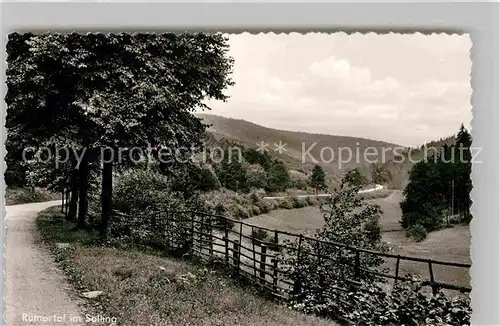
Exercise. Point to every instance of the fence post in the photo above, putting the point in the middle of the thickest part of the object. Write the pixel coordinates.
(262, 267)
(397, 269)
(226, 241)
(275, 274)
(277, 248)
(236, 256)
(297, 286)
(253, 254)
(211, 237)
(431, 274)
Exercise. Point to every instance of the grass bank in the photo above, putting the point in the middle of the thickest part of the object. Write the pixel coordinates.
(145, 288)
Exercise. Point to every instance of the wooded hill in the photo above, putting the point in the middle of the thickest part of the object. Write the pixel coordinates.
(249, 134)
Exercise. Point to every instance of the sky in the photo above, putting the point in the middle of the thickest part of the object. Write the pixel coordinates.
(406, 89)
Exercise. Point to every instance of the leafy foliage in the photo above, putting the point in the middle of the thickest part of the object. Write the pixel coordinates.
(256, 177)
(406, 304)
(325, 264)
(92, 91)
(259, 235)
(355, 177)
(380, 174)
(253, 156)
(279, 178)
(417, 232)
(439, 183)
(318, 181)
(233, 175)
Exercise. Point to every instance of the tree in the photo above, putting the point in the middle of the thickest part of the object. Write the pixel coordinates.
(279, 178)
(463, 171)
(253, 156)
(256, 177)
(233, 175)
(97, 91)
(439, 183)
(380, 174)
(346, 217)
(355, 178)
(318, 178)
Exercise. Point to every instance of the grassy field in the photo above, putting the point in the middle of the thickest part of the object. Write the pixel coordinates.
(145, 288)
(451, 244)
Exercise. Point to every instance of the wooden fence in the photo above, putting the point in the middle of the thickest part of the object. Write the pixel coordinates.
(231, 242)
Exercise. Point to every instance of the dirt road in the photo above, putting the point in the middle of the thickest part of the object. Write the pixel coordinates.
(36, 291)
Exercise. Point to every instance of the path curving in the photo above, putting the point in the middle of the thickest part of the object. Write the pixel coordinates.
(36, 292)
(364, 191)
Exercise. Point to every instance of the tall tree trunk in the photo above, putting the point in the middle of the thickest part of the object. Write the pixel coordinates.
(63, 192)
(83, 204)
(106, 194)
(73, 202)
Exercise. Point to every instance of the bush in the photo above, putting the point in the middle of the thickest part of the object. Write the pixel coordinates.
(406, 304)
(312, 201)
(286, 203)
(273, 203)
(279, 178)
(259, 235)
(370, 305)
(241, 212)
(255, 210)
(429, 218)
(136, 190)
(233, 175)
(299, 179)
(16, 196)
(142, 196)
(417, 232)
(222, 222)
(299, 202)
(373, 230)
(256, 177)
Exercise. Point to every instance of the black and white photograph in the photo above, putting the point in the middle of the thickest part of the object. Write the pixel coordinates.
(224, 179)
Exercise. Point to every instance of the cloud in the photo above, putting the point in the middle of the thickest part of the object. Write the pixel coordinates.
(406, 89)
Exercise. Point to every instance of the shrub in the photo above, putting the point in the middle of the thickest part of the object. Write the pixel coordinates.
(273, 203)
(312, 201)
(136, 190)
(371, 305)
(299, 179)
(427, 215)
(417, 232)
(299, 202)
(256, 177)
(279, 178)
(406, 304)
(255, 210)
(221, 221)
(286, 203)
(241, 212)
(259, 235)
(373, 230)
(142, 195)
(233, 175)
(15, 196)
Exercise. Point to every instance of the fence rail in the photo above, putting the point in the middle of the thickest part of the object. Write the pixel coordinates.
(231, 242)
